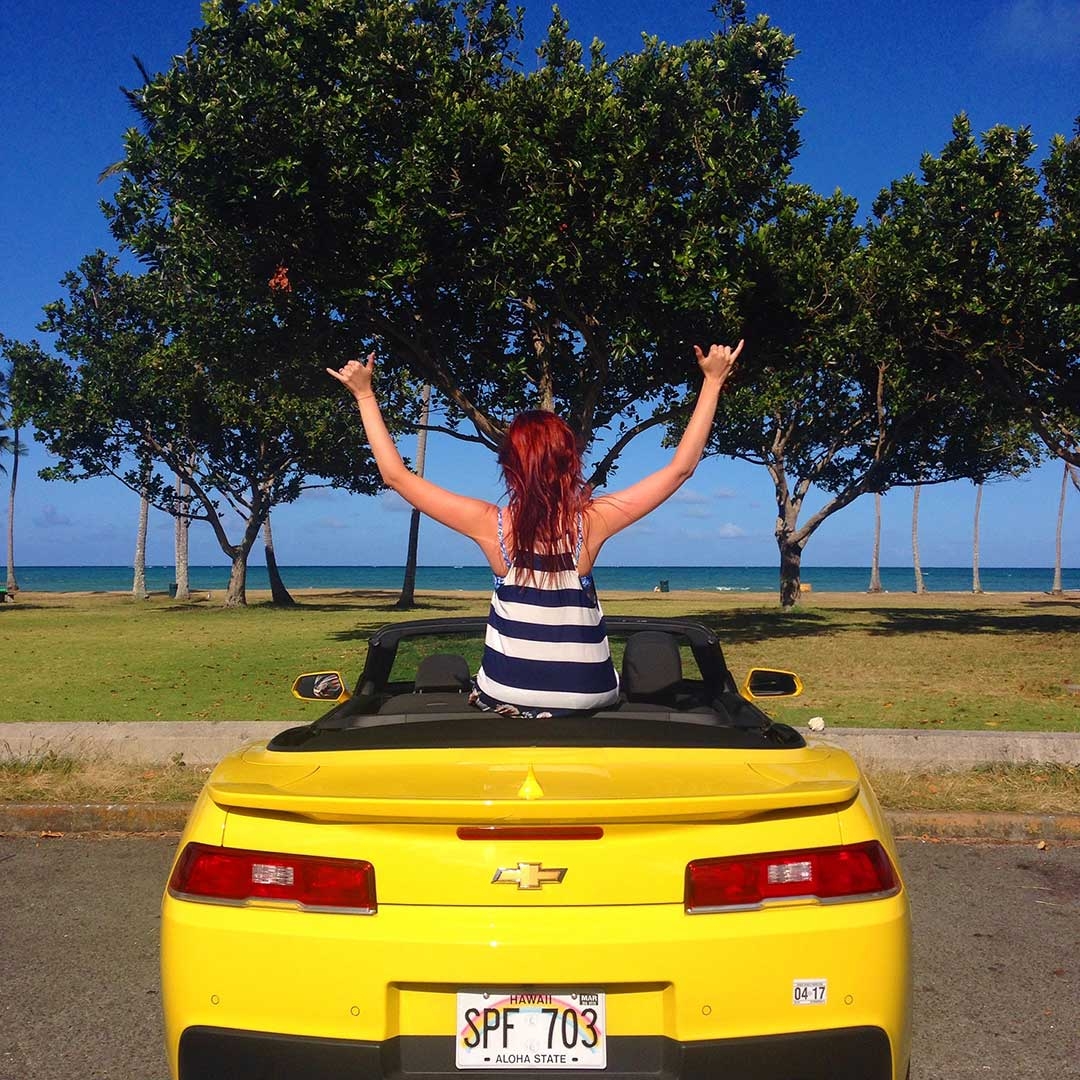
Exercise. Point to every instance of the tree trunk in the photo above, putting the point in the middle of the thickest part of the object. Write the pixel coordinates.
(236, 596)
(790, 569)
(920, 585)
(875, 562)
(180, 533)
(138, 585)
(407, 599)
(1057, 590)
(278, 593)
(976, 584)
(12, 584)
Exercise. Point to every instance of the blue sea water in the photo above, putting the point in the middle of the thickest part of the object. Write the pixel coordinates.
(478, 578)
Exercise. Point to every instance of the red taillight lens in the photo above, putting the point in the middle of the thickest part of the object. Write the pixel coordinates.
(853, 872)
(530, 832)
(234, 876)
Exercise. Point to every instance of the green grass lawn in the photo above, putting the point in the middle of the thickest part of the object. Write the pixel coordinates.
(946, 660)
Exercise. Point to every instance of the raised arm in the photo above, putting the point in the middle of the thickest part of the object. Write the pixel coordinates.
(611, 513)
(472, 517)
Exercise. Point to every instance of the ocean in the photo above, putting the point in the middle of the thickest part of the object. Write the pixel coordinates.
(478, 578)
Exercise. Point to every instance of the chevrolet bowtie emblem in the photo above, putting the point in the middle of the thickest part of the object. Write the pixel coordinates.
(529, 875)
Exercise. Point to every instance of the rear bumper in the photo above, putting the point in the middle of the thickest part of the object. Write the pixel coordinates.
(858, 1053)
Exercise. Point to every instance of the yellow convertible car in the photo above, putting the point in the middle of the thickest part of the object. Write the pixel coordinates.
(673, 888)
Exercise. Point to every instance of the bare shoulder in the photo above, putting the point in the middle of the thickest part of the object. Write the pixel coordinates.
(603, 516)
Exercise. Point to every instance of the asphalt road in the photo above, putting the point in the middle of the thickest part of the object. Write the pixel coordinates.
(997, 959)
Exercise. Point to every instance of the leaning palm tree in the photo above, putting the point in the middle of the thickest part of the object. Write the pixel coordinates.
(1057, 590)
(278, 593)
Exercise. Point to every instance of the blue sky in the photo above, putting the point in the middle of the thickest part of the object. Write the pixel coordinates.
(880, 84)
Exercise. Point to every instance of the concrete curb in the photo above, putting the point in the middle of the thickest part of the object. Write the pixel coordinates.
(971, 825)
(206, 742)
(27, 819)
(912, 748)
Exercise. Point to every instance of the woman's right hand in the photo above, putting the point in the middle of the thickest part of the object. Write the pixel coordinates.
(719, 361)
(356, 376)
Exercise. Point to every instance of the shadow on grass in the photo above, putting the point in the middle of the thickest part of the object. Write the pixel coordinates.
(752, 627)
(749, 627)
(972, 622)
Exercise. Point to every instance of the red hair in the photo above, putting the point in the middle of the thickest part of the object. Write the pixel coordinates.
(542, 468)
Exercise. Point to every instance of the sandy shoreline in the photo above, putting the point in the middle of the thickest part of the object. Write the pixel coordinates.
(721, 600)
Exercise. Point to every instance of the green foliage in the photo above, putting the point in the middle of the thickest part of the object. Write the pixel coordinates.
(246, 427)
(555, 237)
(972, 290)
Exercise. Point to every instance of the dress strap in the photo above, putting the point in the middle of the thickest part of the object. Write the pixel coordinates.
(580, 539)
(502, 544)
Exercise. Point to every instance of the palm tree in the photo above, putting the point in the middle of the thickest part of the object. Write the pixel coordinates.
(875, 563)
(976, 584)
(183, 526)
(920, 585)
(138, 583)
(278, 593)
(407, 599)
(1057, 589)
(10, 444)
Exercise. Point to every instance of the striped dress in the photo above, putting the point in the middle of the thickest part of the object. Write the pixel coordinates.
(546, 647)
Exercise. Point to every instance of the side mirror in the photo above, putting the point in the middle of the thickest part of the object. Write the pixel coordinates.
(766, 683)
(320, 686)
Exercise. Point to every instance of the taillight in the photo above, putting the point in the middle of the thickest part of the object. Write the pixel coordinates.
(833, 874)
(530, 832)
(234, 876)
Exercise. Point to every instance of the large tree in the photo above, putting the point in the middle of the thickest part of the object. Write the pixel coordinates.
(832, 396)
(235, 415)
(555, 237)
(979, 274)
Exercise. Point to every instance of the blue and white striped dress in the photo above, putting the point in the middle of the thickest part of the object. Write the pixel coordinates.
(546, 647)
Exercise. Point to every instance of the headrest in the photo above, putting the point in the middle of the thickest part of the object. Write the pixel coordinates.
(442, 671)
(651, 664)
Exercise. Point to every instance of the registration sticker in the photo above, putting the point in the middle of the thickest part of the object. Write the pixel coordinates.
(531, 1029)
(810, 992)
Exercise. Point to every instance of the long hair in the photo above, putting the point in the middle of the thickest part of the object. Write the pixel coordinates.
(542, 468)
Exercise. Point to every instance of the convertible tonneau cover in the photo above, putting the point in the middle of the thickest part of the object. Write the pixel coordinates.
(531, 784)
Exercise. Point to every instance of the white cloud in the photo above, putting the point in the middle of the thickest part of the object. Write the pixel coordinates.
(690, 498)
(330, 523)
(51, 518)
(730, 531)
(725, 493)
(392, 502)
(1036, 28)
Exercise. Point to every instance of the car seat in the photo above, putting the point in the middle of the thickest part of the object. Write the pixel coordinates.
(652, 674)
(445, 672)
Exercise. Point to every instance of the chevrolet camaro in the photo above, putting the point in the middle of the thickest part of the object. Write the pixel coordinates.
(676, 887)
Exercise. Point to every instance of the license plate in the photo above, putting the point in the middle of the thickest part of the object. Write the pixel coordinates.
(531, 1029)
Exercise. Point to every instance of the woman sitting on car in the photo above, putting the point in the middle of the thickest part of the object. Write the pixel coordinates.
(546, 650)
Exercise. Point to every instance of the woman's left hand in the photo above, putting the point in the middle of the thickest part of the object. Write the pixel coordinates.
(718, 362)
(356, 375)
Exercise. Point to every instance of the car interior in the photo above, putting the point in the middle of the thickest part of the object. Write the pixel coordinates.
(675, 689)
